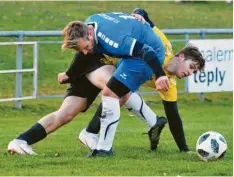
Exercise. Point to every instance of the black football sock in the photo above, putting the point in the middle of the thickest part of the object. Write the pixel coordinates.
(94, 124)
(175, 125)
(34, 134)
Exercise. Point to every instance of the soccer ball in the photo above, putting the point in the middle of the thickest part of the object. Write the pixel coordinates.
(211, 145)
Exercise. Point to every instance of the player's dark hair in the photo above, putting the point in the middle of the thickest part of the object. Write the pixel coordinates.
(144, 14)
(192, 53)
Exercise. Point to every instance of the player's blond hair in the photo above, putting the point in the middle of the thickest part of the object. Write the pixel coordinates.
(72, 34)
(191, 52)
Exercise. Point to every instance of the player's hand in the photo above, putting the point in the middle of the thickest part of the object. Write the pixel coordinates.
(62, 78)
(162, 83)
(139, 17)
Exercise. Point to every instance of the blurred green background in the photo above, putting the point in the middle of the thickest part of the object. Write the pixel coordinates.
(36, 16)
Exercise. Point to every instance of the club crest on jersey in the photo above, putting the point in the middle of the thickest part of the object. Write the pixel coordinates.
(108, 40)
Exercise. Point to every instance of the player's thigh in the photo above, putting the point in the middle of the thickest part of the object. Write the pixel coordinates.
(73, 105)
(101, 76)
(133, 73)
(88, 63)
(83, 88)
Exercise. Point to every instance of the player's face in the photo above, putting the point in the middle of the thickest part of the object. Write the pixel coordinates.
(86, 45)
(186, 68)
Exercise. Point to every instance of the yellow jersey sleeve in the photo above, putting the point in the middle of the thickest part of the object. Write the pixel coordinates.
(171, 94)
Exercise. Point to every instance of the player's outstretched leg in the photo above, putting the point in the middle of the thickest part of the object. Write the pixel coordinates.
(71, 106)
(138, 107)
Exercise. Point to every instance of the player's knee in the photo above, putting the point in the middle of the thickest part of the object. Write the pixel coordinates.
(107, 92)
(101, 76)
(103, 79)
(124, 99)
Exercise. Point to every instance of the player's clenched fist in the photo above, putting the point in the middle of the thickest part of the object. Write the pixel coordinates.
(139, 17)
(62, 78)
(162, 83)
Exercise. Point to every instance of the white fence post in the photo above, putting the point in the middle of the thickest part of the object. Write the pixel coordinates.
(19, 58)
(35, 68)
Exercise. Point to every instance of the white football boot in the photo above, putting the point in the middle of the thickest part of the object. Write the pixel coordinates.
(90, 140)
(20, 147)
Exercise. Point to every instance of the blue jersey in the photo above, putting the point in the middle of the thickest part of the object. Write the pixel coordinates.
(117, 33)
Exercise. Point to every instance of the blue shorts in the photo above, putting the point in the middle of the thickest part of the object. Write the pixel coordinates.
(133, 72)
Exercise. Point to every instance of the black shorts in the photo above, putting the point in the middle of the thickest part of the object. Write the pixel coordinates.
(80, 85)
(83, 64)
(85, 89)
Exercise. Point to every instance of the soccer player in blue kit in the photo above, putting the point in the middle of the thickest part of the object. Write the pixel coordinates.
(142, 55)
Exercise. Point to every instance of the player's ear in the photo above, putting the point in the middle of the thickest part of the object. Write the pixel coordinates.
(90, 32)
(181, 57)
